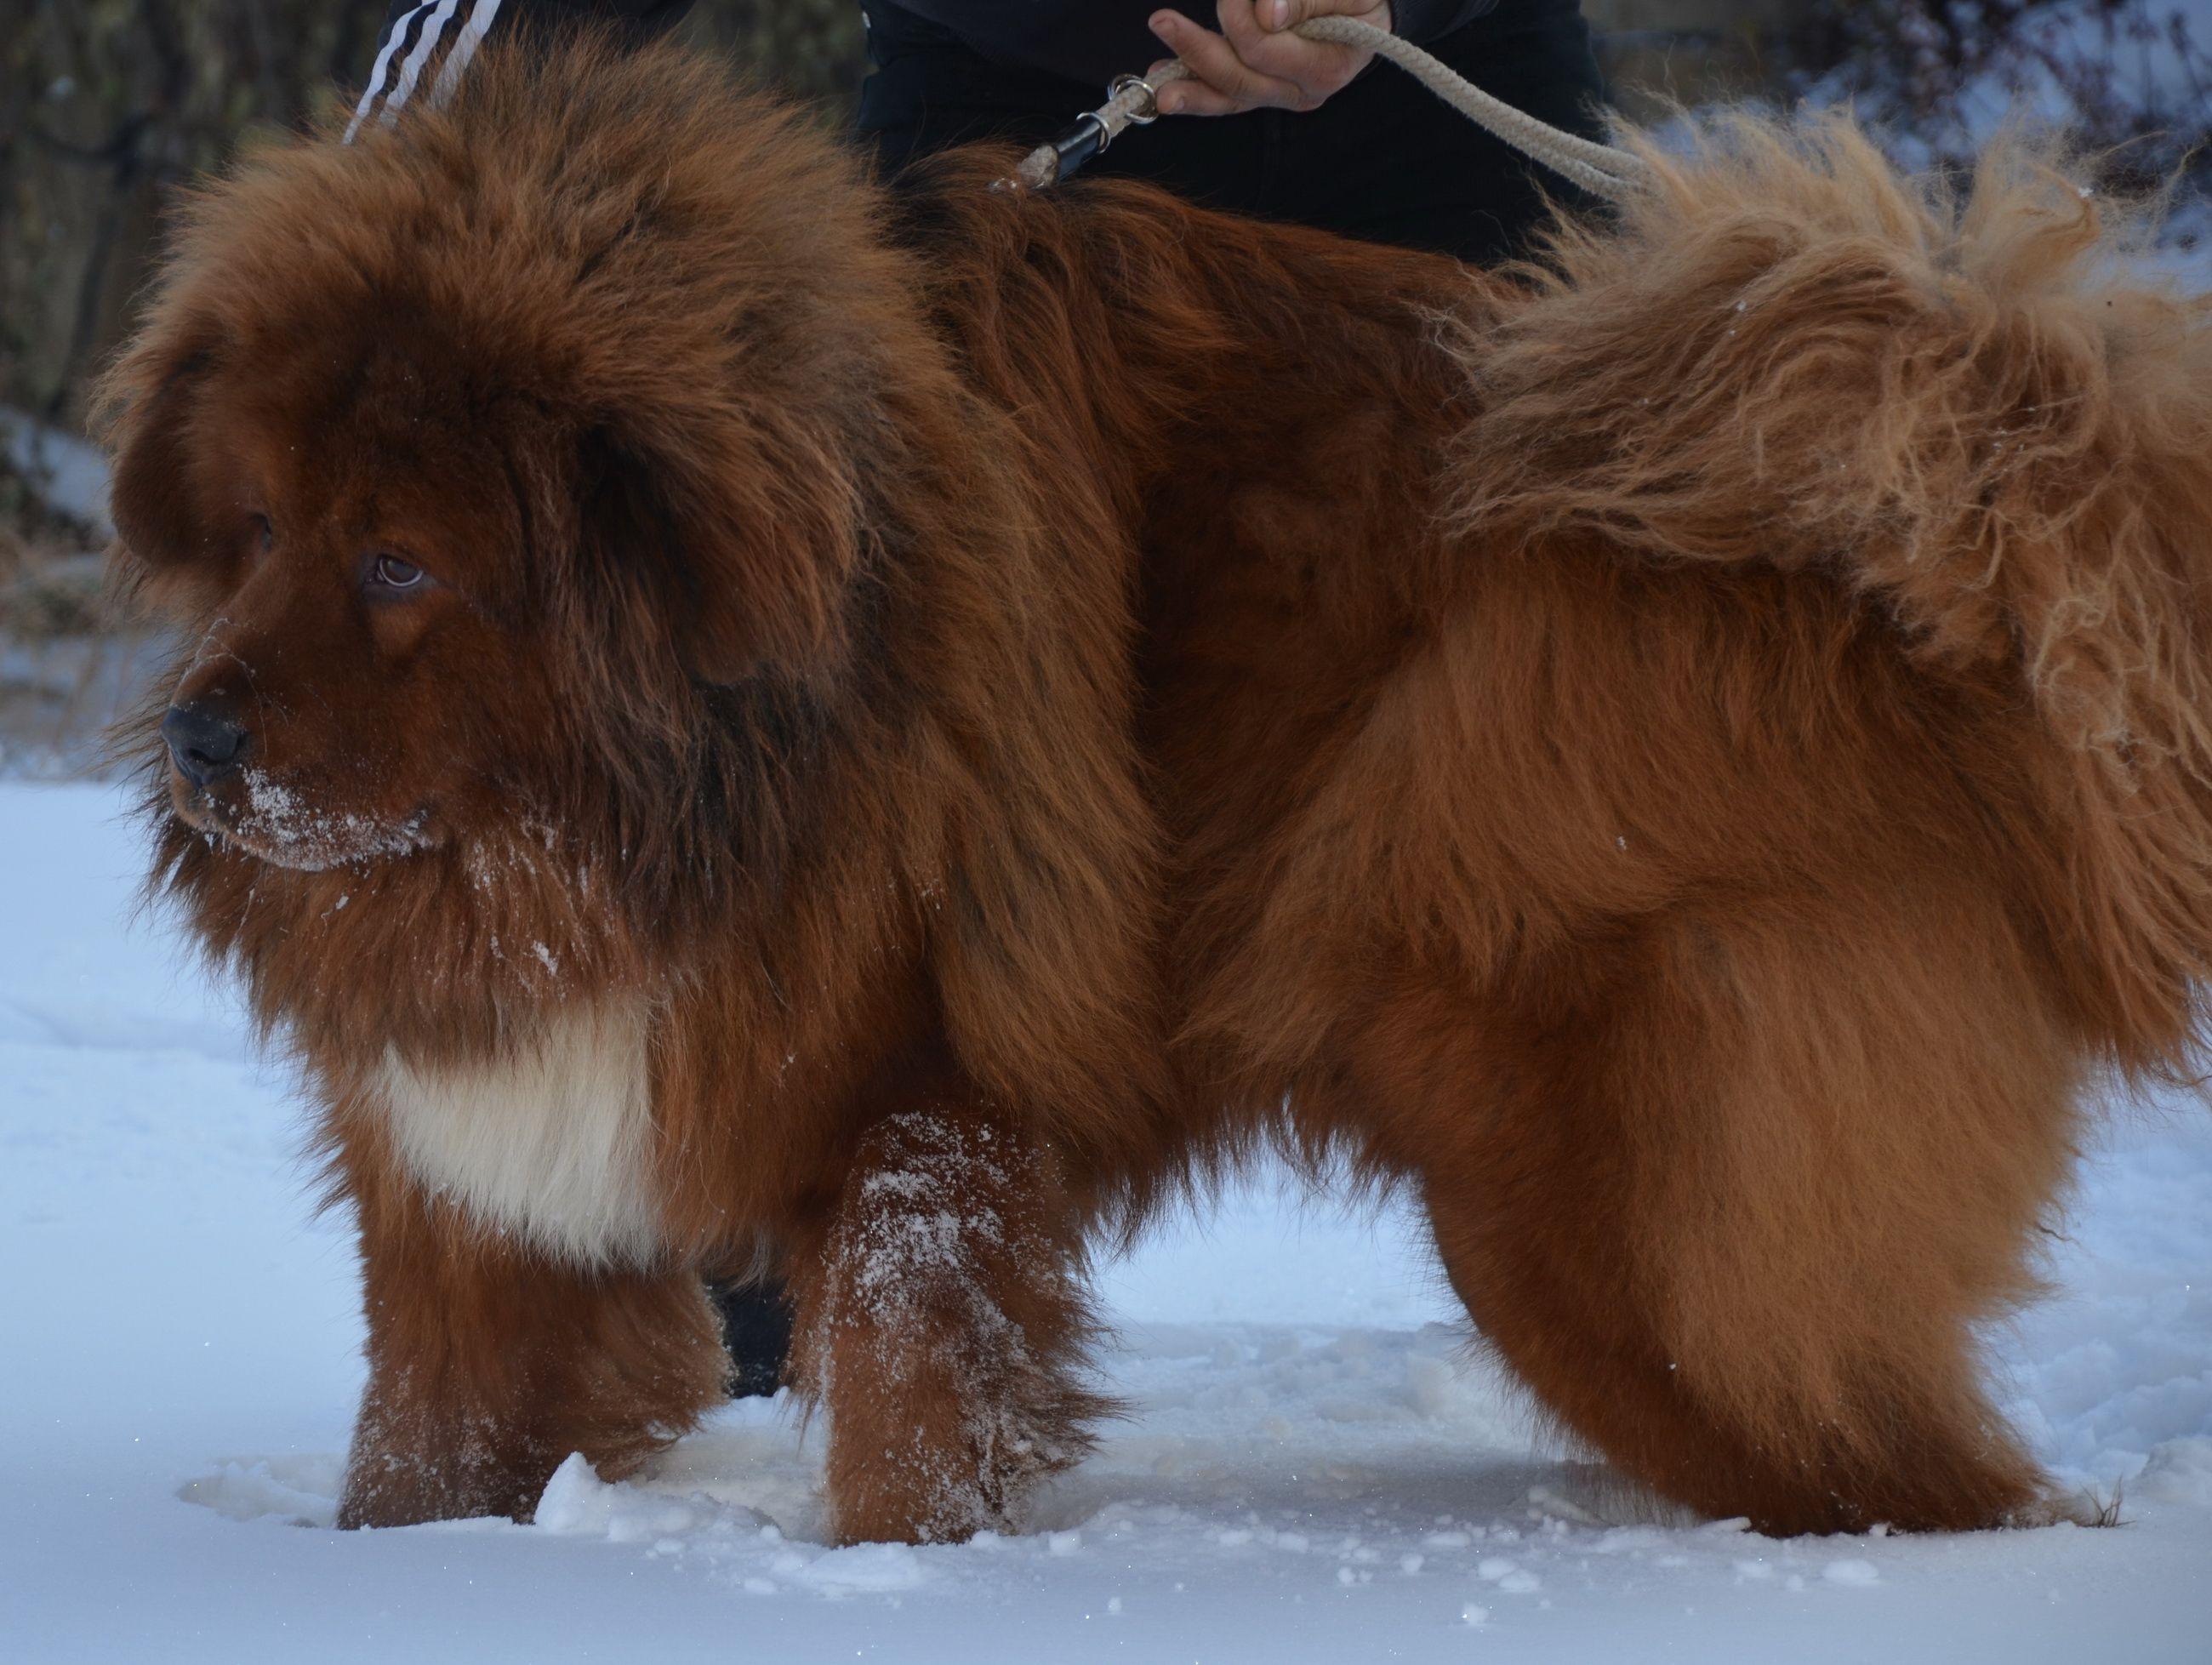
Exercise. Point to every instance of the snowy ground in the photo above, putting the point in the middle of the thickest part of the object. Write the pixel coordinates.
(1313, 1469)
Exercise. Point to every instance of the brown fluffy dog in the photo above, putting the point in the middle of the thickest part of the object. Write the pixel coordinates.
(737, 722)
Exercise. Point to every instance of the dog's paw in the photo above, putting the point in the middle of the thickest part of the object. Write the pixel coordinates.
(2076, 1508)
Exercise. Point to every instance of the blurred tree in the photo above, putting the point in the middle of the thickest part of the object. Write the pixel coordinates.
(811, 47)
(2130, 79)
(1689, 52)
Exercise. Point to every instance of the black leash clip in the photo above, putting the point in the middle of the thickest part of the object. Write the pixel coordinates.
(1131, 102)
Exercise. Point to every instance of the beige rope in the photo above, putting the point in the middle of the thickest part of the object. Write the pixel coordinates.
(1600, 169)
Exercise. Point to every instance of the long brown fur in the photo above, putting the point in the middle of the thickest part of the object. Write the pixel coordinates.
(1688, 756)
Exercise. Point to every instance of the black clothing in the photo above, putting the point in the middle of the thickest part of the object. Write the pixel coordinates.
(640, 19)
(1093, 40)
(757, 1335)
(1383, 160)
(428, 44)
(1087, 40)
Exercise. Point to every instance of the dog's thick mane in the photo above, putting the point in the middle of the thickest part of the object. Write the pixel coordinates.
(692, 286)
(1976, 407)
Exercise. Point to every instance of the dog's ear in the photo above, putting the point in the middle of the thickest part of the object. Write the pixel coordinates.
(147, 412)
(743, 524)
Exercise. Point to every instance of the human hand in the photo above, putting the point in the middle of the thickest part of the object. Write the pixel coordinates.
(1255, 62)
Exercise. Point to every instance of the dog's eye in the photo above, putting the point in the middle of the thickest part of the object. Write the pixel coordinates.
(265, 535)
(394, 573)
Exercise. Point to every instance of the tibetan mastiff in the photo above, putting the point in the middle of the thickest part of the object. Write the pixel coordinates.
(741, 722)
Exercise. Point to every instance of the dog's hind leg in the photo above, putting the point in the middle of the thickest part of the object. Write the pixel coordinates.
(941, 1321)
(1730, 1194)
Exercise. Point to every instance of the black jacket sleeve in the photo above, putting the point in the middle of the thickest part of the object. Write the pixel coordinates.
(1423, 20)
(426, 46)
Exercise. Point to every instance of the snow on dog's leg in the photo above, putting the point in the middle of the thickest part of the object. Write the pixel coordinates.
(1747, 1183)
(940, 1327)
(490, 1362)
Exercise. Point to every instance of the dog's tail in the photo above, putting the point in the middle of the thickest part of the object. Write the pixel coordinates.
(1981, 410)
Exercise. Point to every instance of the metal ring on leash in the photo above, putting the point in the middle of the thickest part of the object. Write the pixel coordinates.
(1147, 110)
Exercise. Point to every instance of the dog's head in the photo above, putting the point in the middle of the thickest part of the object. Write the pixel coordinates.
(469, 458)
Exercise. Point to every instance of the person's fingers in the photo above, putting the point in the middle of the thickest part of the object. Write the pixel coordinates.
(1211, 60)
(1241, 29)
(1175, 98)
(1316, 69)
(1276, 15)
(1195, 98)
(1214, 63)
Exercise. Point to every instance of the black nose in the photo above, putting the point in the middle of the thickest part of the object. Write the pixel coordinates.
(205, 741)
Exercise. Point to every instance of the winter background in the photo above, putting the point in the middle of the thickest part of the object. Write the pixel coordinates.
(1318, 1463)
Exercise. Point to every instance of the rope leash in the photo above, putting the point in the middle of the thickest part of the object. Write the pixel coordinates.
(1133, 102)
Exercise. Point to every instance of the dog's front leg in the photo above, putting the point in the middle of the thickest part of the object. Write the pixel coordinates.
(489, 1362)
(941, 1321)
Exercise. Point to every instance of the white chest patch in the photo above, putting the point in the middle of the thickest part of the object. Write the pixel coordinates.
(550, 1143)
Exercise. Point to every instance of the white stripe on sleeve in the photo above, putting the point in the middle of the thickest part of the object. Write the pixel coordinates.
(417, 59)
(464, 48)
(383, 63)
